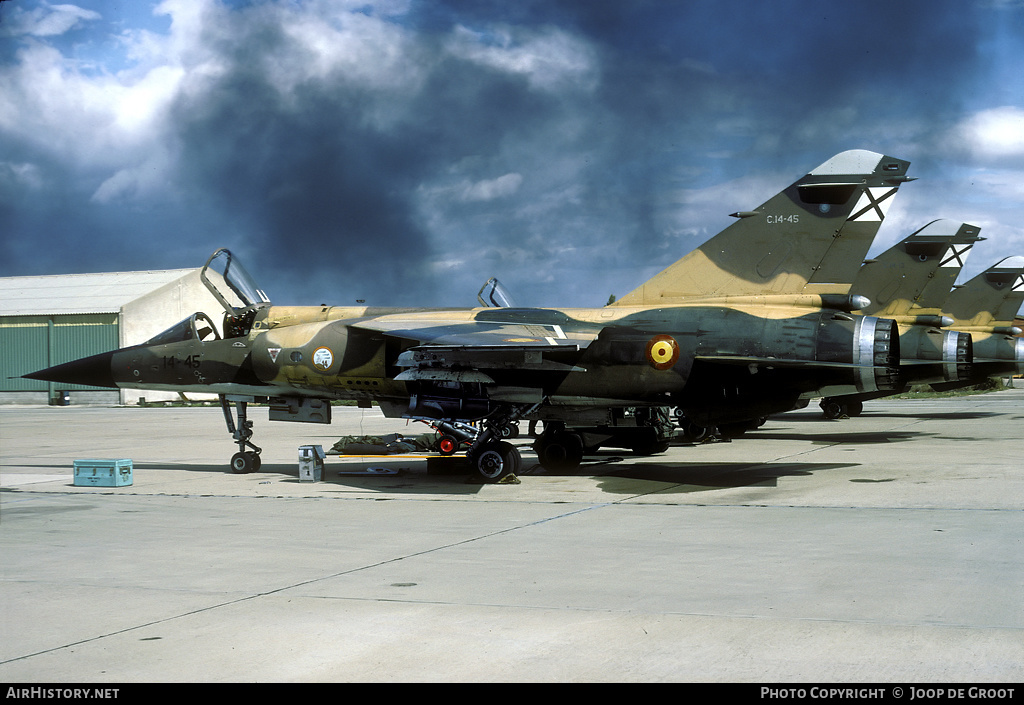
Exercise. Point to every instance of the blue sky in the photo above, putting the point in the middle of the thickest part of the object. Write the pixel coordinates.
(403, 151)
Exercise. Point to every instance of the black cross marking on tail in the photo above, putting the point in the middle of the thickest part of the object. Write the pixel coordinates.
(954, 254)
(1019, 284)
(877, 205)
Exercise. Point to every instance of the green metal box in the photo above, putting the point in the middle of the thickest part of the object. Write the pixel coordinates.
(103, 473)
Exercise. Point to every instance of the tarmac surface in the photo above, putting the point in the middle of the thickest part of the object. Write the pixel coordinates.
(880, 549)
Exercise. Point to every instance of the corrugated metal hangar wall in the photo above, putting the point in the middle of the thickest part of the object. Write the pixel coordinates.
(49, 320)
(34, 342)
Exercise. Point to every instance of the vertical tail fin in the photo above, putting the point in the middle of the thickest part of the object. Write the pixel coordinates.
(913, 277)
(808, 239)
(991, 299)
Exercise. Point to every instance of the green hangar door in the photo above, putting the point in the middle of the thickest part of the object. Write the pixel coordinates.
(31, 343)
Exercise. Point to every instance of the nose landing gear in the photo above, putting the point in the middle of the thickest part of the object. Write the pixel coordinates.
(244, 461)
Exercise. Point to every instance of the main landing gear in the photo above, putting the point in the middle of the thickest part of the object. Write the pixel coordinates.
(837, 408)
(493, 458)
(494, 461)
(559, 449)
(244, 461)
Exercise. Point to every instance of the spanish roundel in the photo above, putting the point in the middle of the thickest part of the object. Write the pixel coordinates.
(662, 352)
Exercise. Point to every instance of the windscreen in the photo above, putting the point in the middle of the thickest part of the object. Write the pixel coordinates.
(494, 294)
(228, 280)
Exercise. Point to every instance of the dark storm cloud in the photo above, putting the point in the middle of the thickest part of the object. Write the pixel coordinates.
(320, 180)
(310, 187)
(693, 94)
(403, 153)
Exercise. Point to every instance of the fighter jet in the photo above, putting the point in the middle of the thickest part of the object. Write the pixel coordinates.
(743, 326)
(814, 262)
(909, 283)
(986, 307)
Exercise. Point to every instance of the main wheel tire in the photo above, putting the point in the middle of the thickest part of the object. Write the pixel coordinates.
(695, 433)
(562, 451)
(494, 461)
(832, 409)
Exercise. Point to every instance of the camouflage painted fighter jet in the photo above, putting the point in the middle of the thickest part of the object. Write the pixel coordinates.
(743, 326)
(986, 307)
(909, 283)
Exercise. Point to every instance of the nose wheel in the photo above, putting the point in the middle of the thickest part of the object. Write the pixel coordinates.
(245, 462)
(247, 459)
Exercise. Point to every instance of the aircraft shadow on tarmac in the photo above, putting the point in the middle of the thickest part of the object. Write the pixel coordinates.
(694, 477)
(944, 415)
(398, 474)
(839, 437)
(939, 415)
(612, 476)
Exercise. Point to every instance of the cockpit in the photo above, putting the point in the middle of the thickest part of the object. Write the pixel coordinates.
(230, 283)
(236, 291)
(198, 326)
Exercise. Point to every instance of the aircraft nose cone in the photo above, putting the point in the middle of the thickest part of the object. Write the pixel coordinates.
(91, 371)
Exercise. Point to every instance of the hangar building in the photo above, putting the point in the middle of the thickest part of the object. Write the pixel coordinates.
(49, 320)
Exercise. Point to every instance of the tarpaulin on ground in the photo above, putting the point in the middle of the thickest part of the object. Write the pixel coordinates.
(390, 444)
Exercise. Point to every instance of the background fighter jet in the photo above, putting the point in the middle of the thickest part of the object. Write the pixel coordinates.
(742, 327)
(909, 283)
(986, 307)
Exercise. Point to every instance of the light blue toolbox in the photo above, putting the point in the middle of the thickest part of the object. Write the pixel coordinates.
(103, 473)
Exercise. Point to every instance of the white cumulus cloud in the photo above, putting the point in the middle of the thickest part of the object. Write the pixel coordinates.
(550, 59)
(48, 20)
(995, 133)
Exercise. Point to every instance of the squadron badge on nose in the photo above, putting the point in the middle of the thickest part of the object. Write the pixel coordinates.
(323, 358)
